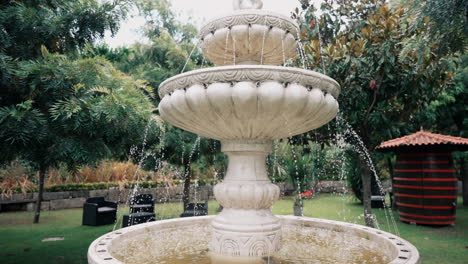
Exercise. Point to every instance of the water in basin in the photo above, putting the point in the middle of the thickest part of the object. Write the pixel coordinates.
(302, 245)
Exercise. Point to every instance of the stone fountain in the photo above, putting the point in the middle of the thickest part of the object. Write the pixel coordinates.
(246, 102)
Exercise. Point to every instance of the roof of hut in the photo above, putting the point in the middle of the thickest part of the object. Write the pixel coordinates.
(426, 139)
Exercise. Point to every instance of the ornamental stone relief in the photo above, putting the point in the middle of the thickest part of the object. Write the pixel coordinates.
(246, 244)
(249, 17)
(250, 73)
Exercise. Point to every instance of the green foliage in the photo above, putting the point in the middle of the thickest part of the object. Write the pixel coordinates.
(55, 108)
(212, 164)
(183, 148)
(158, 61)
(108, 185)
(60, 25)
(294, 164)
(447, 112)
(362, 49)
(167, 54)
(447, 21)
(304, 165)
(15, 118)
(160, 18)
(354, 176)
(75, 118)
(117, 56)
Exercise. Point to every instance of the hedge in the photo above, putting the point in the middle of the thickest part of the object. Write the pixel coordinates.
(108, 185)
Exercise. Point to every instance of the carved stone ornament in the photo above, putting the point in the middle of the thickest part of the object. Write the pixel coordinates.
(246, 226)
(250, 17)
(248, 110)
(250, 73)
(250, 37)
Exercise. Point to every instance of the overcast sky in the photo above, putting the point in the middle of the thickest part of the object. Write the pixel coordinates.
(200, 10)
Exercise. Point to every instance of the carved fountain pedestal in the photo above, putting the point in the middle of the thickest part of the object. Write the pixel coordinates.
(246, 226)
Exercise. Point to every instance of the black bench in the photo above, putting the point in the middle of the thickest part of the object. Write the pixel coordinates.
(138, 218)
(141, 210)
(97, 211)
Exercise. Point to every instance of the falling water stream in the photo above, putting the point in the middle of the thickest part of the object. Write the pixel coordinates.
(364, 153)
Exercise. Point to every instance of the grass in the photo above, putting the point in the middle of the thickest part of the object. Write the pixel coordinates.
(20, 241)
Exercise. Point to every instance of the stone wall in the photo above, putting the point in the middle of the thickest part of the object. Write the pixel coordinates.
(76, 199)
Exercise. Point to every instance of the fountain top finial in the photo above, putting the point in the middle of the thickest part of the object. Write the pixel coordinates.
(247, 4)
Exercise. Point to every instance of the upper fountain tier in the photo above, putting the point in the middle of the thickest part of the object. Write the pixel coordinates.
(249, 36)
(249, 101)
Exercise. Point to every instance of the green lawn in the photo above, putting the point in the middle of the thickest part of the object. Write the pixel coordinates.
(20, 241)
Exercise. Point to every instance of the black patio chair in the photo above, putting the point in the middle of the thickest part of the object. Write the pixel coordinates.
(195, 209)
(97, 211)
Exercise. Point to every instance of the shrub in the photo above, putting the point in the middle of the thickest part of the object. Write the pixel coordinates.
(8, 188)
(14, 179)
(354, 176)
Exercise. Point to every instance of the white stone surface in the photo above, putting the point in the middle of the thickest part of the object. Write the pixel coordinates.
(250, 73)
(250, 37)
(397, 249)
(245, 111)
(246, 226)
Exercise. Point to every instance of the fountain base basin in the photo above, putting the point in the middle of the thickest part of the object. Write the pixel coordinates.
(305, 240)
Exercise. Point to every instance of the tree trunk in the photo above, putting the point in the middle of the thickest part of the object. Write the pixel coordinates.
(366, 175)
(392, 197)
(186, 192)
(464, 174)
(37, 212)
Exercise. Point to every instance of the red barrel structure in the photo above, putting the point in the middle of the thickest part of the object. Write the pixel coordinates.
(424, 182)
(425, 188)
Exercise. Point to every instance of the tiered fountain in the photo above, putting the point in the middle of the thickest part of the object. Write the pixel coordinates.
(246, 103)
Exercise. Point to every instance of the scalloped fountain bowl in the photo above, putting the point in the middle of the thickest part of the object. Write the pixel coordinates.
(249, 101)
(306, 240)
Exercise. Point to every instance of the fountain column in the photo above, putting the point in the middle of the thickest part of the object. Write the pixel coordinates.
(246, 226)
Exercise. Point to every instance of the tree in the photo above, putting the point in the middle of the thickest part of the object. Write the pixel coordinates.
(56, 108)
(448, 26)
(167, 53)
(72, 118)
(183, 149)
(448, 22)
(62, 26)
(384, 87)
(172, 50)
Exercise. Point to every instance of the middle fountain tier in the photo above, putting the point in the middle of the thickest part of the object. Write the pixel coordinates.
(246, 107)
